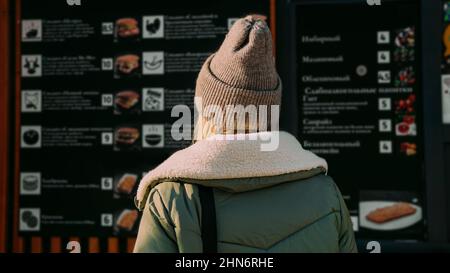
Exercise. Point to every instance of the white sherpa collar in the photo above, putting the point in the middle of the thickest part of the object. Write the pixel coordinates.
(230, 159)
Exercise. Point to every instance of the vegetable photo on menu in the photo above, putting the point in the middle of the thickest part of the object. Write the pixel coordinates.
(405, 116)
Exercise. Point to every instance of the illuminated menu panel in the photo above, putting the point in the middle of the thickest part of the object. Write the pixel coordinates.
(360, 107)
(98, 84)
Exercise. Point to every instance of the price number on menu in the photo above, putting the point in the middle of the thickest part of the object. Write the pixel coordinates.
(107, 138)
(107, 100)
(385, 147)
(106, 220)
(106, 183)
(107, 28)
(385, 125)
(384, 104)
(107, 64)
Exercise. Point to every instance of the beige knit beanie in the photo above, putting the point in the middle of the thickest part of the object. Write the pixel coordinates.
(241, 73)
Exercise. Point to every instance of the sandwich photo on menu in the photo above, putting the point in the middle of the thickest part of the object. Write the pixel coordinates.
(126, 102)
(126, 65)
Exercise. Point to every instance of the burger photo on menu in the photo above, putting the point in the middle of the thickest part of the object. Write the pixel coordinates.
(386, 211)
(127, 29)
(126, 222)
(126, 102)
(126, 65)
(126, 138)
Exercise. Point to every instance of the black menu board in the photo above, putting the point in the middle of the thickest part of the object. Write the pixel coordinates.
(360, 107)
(98, 84)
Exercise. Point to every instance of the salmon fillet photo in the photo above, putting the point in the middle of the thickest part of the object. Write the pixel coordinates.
(386, 214)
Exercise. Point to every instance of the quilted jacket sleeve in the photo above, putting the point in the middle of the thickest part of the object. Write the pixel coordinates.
(156, 232)
(347, 243)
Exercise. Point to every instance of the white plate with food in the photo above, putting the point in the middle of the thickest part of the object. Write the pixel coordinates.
(388, 215)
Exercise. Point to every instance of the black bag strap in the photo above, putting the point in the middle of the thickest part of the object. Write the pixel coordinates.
(209, 224)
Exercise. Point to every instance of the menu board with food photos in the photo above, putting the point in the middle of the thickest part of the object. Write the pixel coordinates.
(360, 107)
(97, 87)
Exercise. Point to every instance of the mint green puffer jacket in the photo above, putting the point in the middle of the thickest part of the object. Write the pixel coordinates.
(277, 201)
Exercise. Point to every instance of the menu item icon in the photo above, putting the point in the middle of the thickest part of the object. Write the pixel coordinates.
(126, 183)
(405, 105)
(31, 30)
(29, 219)
(405, 129)
(153, 63)
(384, 57)
(153, 26)
(126, 220)
(405, 37)
(30, 137)
(384, 76)
(31, 65)
(127, 28)
(405, 77)
(126, 102)
(31, 101)
(408, 148)
(126, 137)
(404, 42)
(30, 183)
(446, 98)
(126, 65)
(107, 28)
(153, 99)
(383, 37)
(361, 70)
(153, 136)
(405, 116)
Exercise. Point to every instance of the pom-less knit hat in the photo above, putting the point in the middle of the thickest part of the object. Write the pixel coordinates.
(242, 71)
